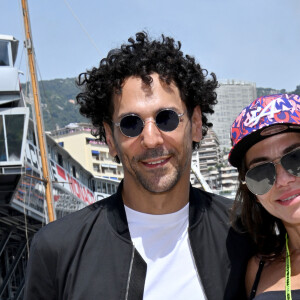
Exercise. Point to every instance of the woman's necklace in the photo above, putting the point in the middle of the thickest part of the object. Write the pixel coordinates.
(288, 295)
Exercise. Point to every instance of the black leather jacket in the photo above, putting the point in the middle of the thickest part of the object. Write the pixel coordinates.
(89, 255)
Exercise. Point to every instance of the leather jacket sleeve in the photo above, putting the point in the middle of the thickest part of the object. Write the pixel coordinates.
(40, 273)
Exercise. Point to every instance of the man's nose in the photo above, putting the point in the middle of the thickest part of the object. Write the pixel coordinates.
(151, 135)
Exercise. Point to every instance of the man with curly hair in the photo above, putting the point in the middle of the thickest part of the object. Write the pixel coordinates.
(157, 237)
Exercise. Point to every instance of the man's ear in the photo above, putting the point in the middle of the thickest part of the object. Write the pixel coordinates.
(110, 140)
(197, 124)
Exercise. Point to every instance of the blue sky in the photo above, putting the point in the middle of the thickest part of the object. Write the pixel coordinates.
(257, 40)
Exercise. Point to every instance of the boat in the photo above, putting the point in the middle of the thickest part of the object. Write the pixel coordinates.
(23, 205)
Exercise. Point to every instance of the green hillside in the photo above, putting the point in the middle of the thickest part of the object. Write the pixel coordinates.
(58, 97)
(269, 91)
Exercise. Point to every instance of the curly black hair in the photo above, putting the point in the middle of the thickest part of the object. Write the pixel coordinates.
(142, 57)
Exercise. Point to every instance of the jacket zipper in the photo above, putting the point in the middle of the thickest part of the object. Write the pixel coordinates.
(194, 261)
(129, 273)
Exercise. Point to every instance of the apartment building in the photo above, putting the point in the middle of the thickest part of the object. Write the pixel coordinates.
(233, 96)
(207, 158)
(77, 139)
(214, 167)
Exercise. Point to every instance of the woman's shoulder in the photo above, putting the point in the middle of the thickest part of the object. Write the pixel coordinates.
(265, 275)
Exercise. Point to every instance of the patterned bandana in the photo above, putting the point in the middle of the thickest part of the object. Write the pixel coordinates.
(266, 116)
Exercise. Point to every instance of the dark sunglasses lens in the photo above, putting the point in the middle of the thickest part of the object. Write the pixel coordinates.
(291, 162)
(260, 179)
(131, 126)
(167, 120)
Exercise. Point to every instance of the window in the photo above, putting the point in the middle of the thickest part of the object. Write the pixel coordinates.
(96, 167)
(13, 131)
(2, 141)
(103, 187)
(31, 137)
(109, 189)
(95, 154)
(67, 166)
(74, 171)
(60, 159)
(4, 57)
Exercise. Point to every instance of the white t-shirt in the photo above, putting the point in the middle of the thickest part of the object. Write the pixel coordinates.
(162, 241)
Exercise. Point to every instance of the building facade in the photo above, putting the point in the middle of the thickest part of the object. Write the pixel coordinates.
(94, 155)
(214, 167)
(233, 96)
(207, 158)
(229, 178)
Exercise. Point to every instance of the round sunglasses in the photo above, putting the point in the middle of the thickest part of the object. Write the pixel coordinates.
(132, 125)
(262, 177)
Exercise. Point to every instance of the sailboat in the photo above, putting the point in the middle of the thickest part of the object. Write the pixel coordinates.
(24, 208)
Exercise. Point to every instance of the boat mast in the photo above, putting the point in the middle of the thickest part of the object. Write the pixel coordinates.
(40, 129)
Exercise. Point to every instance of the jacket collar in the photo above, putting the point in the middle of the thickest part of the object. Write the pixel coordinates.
(116, 213)
(117, 216)
(199, 202)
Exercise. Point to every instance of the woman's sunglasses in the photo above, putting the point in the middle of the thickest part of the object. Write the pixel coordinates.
(261, 178)
(132, 125)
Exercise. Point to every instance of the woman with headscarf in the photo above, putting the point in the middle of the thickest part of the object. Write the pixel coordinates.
(266, 151)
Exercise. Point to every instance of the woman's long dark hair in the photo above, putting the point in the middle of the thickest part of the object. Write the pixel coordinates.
(266, 231)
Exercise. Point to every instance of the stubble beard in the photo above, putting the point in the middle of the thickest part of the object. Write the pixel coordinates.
(157, 180)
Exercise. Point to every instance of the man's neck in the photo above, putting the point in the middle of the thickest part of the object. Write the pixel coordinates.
(144, 201)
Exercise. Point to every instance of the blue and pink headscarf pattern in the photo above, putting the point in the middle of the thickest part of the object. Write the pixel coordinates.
(266, 111)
